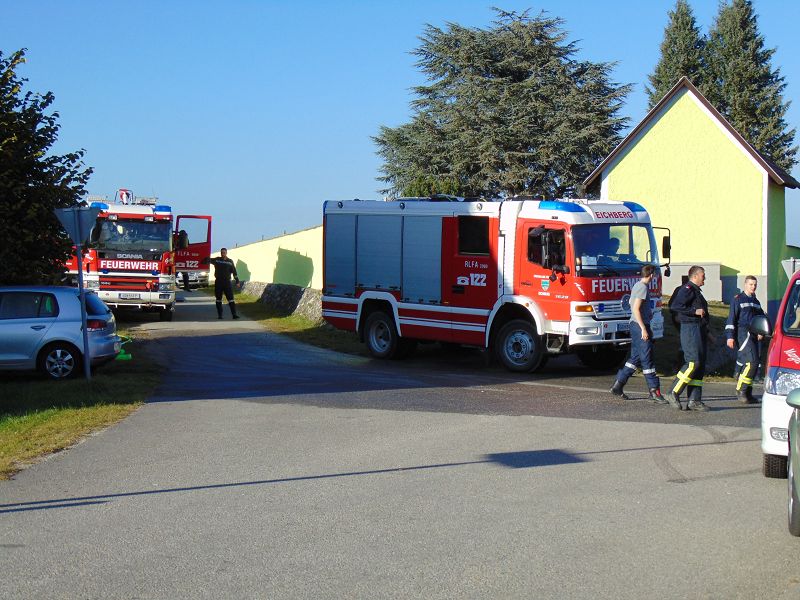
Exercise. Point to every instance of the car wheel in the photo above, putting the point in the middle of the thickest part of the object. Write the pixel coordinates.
(59, 361)
(794, 499)
(381, 335)
(774, 466)
(518, 346)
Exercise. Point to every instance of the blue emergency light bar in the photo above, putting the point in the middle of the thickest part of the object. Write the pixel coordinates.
(559, 205)
(635, 207)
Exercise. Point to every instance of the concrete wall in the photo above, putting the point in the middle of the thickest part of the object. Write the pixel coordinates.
(292, 259)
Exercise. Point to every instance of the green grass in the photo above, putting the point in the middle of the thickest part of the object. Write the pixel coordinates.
(39, 417)
(667, 348)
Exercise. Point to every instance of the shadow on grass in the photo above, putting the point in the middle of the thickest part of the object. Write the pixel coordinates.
(118, 382)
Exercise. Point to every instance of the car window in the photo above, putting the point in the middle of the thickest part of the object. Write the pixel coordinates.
(95, 306)
(48, 306)
(20, 305)
(791, 318)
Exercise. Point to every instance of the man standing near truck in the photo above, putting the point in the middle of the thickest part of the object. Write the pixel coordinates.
(691, 309)
(641, 341)
(223, 270)
(744, 307)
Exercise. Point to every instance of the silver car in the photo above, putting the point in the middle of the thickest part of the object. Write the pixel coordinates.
(793, 400)
(40, 328)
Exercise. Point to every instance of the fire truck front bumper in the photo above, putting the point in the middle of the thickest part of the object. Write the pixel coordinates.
(141, 300)
(588, 330)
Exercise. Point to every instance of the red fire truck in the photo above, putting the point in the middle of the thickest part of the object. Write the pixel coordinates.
(131, 254)
(526, 279)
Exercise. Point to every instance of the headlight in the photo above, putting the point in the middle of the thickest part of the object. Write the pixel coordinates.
(780, 381)
(166, 287)
(91, 284)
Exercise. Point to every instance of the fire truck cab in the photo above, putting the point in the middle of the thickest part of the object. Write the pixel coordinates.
(130, 256)
(526, 279)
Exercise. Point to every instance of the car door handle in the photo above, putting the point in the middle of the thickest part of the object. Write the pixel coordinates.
(38, 327)
(458, 289)
(525, 283)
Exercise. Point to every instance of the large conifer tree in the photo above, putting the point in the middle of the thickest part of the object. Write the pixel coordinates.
(508, 110)
(681, 54)
(744, 87)
(32, 182)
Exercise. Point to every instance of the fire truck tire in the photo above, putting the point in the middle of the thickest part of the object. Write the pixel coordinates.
(601, 358)
(166, 314)
(381, 336)
(60, 360)
(518, 346)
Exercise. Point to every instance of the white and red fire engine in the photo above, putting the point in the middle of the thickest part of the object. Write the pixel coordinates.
(131, 256)
(527, 279)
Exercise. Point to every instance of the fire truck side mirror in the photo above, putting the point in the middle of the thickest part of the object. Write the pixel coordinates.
(665, 247)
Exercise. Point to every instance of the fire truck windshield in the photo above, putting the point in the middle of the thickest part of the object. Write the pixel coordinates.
(123, 236)
(613, 248)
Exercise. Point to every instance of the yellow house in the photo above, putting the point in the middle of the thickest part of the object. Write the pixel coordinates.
(722, 200)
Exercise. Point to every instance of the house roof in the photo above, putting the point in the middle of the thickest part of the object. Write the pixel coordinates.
(776, 174)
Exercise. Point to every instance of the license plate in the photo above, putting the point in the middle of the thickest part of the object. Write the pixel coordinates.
(624, 326)
(129, 296)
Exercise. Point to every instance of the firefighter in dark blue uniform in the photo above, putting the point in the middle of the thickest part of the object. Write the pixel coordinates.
(223, 270)
(744, 307)
(691, 310)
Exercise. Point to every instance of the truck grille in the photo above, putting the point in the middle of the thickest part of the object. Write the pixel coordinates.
(128, 284)
(611, 310)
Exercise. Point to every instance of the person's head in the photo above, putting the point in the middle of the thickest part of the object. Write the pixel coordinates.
(647, 272)
(750, 285)
(697, 275)
(223, 252)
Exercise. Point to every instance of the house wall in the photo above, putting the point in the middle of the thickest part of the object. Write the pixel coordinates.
(692, 177)
(777, 250)
(294, 259)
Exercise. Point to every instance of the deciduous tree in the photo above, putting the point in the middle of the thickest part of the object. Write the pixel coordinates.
(33, 182)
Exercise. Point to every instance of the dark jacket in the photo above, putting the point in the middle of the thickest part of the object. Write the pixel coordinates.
(223, 269)
(743, 309)
(686, 302)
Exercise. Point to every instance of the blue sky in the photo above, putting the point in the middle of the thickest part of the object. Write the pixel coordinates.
(257, 111)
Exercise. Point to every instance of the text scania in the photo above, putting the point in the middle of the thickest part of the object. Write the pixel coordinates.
(129, 265)
(614, 214)
(619, 284)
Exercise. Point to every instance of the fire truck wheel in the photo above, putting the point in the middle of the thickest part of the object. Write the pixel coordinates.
(59, 360)
(518, 346)
(381, 335)
(166, 314)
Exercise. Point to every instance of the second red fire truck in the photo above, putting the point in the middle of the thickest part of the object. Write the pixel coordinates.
(134, 249)
(526, 279)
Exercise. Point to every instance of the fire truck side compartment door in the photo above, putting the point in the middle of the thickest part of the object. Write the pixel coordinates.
(340, 255)
(378, 239)
(422, 259)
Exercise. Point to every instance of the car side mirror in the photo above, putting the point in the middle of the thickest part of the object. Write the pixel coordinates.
(793, 399)
(760, 325)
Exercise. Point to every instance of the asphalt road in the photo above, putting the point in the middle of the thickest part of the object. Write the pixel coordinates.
(263, 468)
